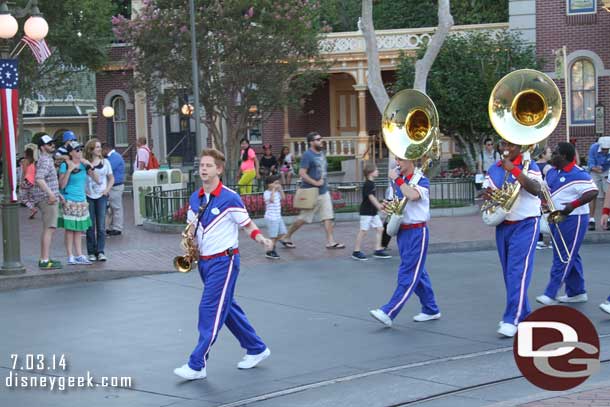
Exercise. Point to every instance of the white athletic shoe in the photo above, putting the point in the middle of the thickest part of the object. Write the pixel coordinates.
(605, 307)
(421, 317)
(250, 361)
(576, 298)
(381, 316)
(546, 300)
(507, 330)
(187, 373)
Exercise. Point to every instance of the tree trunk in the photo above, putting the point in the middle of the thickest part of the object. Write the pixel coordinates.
(375, 83)
(422, 66)
(467, 148)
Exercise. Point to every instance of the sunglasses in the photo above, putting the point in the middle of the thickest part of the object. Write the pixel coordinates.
(489, 144)
(78, 150)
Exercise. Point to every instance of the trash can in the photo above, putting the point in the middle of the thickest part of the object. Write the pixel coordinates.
(143, 183)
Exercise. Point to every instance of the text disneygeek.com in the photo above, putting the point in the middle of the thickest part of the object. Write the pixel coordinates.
(34, 371)
(17, 380)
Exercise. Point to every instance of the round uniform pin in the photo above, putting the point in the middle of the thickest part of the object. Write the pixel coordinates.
(215, 211)
(562, 179)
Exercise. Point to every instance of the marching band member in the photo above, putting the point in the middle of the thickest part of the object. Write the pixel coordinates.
(412, 241)
(571, 190)
(221, 213)
(604, 224)
(516, 237)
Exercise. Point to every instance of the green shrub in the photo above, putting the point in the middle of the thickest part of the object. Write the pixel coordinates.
(456, 161)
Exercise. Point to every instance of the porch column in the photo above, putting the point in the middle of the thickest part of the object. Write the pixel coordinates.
(362, 132)
(362, 143)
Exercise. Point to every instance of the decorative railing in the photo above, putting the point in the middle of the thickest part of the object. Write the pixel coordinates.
(334, 146)
(393, 40)
(172, 206)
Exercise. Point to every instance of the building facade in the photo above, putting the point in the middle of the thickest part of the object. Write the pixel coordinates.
(583, 76)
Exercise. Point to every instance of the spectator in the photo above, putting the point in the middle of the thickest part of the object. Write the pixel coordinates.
(285, 163)
(369, 217)
(313, 172)
(142, 154)
(27, 178)
(99, 183)
(273, 196)
(488, 157)
(75, 217)
(115, 198)
(268, 162)
(248, 169)
(61, 153)
(46, 196)
(599, 164)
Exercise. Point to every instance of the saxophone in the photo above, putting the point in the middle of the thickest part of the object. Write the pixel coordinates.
(495, 210)
(184, 263)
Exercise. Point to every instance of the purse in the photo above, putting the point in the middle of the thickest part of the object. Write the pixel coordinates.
(305, 198)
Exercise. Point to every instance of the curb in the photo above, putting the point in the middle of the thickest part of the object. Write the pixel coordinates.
(57, 277)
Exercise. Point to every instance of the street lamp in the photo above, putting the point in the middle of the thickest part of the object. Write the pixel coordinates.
(108, 113)
(36, 28)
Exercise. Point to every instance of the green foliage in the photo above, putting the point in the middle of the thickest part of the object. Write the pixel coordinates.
(334, 163)
(259, 53)
(456, 161)
(462, 78)
(79, 32)
(342, 15)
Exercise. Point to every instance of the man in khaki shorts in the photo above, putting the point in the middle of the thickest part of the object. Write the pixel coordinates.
(599, 166)
(46, 196)
(313, 172)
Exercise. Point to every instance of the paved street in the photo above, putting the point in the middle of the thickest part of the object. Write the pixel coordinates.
(140, 252)
(313, 314)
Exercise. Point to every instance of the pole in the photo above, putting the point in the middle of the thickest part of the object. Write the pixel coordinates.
(11, 249)
(195, 68)
(567, 94)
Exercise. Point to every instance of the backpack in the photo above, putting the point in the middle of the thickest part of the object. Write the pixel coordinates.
(153, 163)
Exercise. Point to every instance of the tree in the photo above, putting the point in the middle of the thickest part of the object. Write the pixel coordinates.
(259, 53)
(462, 78)
(79, 32)
(341, 15)
(422, 65)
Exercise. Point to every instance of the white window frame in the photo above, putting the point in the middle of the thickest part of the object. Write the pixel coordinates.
(578, 13)
(115, 122)
(573, 121)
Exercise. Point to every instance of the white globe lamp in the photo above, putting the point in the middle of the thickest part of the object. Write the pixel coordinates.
(36, 28)
(108, 112)
(8, 25)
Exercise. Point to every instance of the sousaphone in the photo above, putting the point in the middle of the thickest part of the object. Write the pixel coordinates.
(524, 109)
(410, 131)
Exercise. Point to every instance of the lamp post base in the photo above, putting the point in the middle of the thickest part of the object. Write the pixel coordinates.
(11, 260)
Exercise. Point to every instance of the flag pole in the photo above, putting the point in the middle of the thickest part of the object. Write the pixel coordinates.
(567, 94)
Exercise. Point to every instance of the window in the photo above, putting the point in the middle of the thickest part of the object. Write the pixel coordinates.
(255, 126)
(120, 122)
(581, 6)
(582, 83)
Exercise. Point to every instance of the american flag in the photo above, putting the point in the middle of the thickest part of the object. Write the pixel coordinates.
(9, 96)
(39, 48)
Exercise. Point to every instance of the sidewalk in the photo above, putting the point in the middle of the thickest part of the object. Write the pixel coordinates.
(140, 252)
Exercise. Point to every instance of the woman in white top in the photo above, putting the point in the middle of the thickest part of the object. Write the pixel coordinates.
(97, 196)
(285, 162)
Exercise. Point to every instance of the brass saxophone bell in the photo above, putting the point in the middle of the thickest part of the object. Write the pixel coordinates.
(182, 264)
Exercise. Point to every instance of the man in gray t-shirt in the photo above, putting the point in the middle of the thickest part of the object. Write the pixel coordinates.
(313, 171)
(314, 162)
